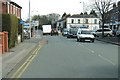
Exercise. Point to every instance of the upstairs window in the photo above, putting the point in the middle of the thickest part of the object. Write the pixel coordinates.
(72, 21)
(86, 21)
(78, 20)
(95, 21)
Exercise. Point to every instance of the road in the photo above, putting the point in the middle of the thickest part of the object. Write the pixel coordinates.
(67, 58)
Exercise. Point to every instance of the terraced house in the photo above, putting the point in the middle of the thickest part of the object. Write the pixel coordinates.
(10, 7)
(11, 16)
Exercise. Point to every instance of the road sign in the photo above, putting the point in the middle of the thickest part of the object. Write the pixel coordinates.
(26, 25)
(22, 22)
(35, 23)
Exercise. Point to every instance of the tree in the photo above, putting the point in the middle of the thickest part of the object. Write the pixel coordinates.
(53, 17)
(85, 13)
(81, 13)
(64, 14)
(102, 6)
(43, 19)
(93, 13)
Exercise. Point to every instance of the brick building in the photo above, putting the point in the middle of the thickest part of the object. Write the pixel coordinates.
(10, 7)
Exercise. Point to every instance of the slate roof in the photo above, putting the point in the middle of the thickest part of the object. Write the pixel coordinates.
(82, 16)
(15, 4)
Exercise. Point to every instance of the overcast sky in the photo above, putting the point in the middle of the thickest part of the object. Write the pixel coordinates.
(44, 7)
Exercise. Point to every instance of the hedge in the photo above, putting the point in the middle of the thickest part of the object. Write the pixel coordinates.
(10, 24)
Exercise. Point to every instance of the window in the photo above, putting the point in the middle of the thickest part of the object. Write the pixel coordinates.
(107, 30)
(78, 20)
(59, 24)
(95, 21)
(99, 30)
(72, 20)
(86, 21)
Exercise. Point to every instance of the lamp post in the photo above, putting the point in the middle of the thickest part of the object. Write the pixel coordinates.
(83, 12)
(30, 21)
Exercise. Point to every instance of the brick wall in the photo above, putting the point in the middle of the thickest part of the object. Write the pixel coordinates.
(4, 8)
(3, 42)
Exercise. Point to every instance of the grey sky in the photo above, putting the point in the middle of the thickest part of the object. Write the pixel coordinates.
(44, 7)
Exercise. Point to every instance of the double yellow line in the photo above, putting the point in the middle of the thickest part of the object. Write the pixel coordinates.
(24, 66)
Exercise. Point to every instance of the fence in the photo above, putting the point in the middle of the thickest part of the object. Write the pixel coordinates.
(3, 42)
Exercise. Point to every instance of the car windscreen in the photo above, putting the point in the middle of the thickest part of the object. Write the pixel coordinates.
(73, 30)
(85, 32)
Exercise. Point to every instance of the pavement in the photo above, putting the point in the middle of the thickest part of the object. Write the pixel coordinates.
(112, 40)
(15, 55)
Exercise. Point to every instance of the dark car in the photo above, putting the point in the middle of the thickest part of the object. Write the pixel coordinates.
(72, 32)
(65, 32)
(54, 31)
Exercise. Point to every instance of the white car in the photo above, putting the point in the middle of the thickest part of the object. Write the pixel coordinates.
(83, 35)
(107, 32)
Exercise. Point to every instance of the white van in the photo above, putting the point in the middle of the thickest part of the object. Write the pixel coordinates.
(46, 29)
(85, 35)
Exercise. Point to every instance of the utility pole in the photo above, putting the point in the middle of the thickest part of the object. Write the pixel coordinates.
(83, 12)
(30, 21)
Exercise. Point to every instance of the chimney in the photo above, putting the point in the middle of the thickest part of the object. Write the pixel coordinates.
(114, 5)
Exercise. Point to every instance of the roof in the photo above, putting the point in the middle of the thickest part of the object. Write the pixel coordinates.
(15, 4)
(59, 20)
(82, 16)
(11, 2)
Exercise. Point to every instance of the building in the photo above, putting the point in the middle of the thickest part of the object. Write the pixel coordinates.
(89, 21)
(10, 7)
(113, 17)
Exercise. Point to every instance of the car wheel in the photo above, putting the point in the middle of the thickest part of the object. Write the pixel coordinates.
(92, 40)
(80, 40)
(68, 37)
(108, 35)
(51, 34)
(77, 40)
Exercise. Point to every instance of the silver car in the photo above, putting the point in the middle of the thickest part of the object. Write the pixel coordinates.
(107, 32)
(118, 33)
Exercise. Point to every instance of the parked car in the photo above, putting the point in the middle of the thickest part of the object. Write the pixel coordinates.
(118, 33)
(114, 32)
(26, 33)
(64, 32)
(98, 32)
(93, 32)
(72, 32)
(85, 34)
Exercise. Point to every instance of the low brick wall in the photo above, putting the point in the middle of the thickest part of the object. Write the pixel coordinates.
(3, 42)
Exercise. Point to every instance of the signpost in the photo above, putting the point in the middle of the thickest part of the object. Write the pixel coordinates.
(34, 24)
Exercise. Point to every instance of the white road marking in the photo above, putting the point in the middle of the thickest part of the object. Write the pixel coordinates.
(106, 59)
(91, 50)
(99, 55)
(88, 49)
